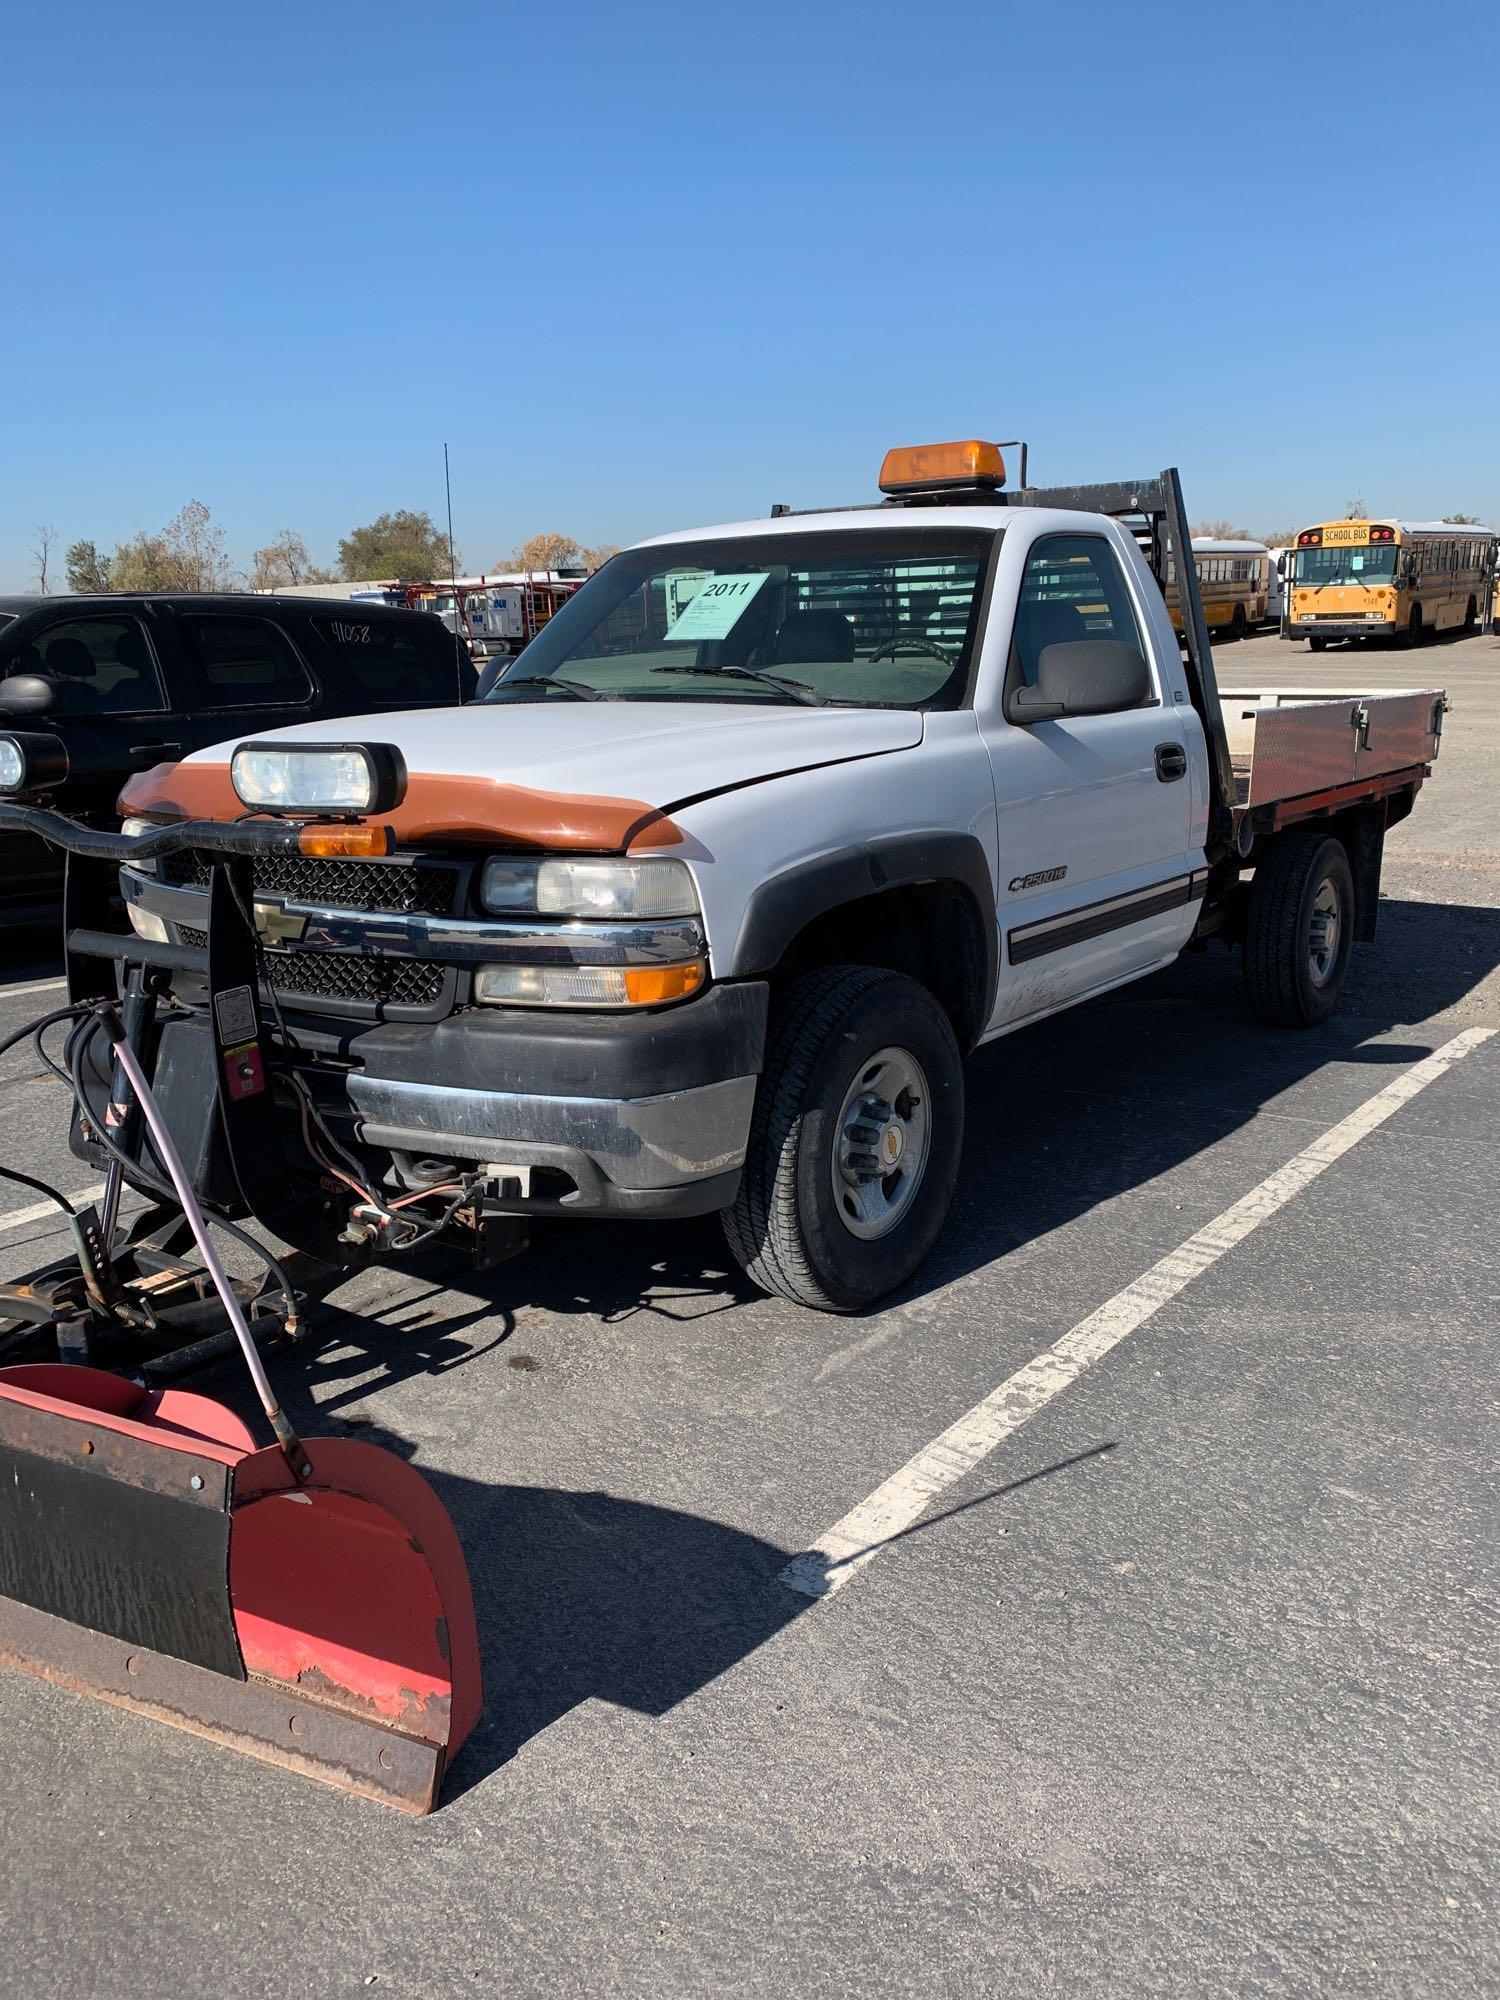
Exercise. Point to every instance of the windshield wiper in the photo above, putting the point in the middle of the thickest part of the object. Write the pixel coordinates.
(580, 690)
(798, 690)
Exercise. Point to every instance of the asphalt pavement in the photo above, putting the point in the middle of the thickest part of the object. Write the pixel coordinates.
(1183, 1687)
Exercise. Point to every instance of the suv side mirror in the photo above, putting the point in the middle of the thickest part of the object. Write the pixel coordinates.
(28, 694)
(1083, 677)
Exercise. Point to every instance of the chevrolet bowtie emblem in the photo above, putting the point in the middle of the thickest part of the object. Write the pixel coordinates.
(277, 925)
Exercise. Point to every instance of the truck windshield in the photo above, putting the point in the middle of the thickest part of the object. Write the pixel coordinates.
(1359, 565)
(867, 618)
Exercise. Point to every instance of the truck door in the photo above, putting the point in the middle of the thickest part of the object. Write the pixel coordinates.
(1097, 877)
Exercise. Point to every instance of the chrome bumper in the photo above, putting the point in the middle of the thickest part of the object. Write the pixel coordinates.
(638, 1144)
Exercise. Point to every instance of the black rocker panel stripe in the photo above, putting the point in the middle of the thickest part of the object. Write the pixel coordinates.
(1093, 920)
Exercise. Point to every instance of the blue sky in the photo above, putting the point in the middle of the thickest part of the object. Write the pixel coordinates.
(658, 265)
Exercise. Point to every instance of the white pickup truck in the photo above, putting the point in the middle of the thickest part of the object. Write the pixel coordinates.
(702, 905)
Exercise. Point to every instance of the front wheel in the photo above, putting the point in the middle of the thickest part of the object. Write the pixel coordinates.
(1299, 929)
(1318, 645)
(855, 1140)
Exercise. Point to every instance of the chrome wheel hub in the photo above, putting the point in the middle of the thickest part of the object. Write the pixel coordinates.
(881, 1141)
(1326, 930)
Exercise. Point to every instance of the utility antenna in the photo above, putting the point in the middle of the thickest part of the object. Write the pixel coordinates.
(452, 559)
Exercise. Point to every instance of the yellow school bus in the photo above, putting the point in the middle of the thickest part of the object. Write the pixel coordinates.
(1402, 580)
(1234, 581)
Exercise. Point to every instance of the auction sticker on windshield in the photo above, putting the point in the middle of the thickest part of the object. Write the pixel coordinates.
(715, 607)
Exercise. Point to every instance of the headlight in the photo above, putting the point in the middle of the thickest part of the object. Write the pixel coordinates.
(586, 985)
(591, 886)
(134, 828)
(319, 777)
(31, 763)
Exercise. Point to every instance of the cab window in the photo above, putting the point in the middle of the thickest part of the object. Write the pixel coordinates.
(102, 666)
(1073, 588)
(245, 662)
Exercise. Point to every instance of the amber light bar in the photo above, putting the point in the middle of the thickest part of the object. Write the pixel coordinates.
(912, 468)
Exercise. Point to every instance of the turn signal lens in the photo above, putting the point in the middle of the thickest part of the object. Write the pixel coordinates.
(648, 985)
(968, 462)
(363, 841)
(586, 985)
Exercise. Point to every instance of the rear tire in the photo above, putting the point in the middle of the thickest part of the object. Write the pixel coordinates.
(1299, 930)
(815, 1219)
(1471, 619)
(1239, 625)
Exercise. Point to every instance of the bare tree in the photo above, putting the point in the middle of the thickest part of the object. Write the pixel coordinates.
(188, 554)
(1221, 531)
(284, 561)
(597, 556)
(41, 550)
(1463, 520)
(1356, 510)
(1280, 538)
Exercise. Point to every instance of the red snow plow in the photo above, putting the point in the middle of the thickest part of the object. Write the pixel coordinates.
(305, 1601)
(150, 1554)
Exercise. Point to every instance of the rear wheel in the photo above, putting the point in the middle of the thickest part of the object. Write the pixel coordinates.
(1239, 625)
(1471, 619)
(1299, 930)
(855, 1140)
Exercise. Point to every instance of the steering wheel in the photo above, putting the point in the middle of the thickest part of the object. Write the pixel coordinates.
(910, 645)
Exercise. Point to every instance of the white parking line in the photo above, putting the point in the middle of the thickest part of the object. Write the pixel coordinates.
(19, 1217)
(901, 1501)
(39, 986)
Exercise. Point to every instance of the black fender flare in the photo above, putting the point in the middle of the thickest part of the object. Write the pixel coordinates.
(786, 903)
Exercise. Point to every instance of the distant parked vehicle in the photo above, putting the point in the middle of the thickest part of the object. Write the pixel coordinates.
(1233, 581)
(125, 682)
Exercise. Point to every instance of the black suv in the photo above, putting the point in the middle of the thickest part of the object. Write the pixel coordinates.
(130, 681)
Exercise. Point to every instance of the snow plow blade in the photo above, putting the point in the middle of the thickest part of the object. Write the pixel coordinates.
(151, 1555)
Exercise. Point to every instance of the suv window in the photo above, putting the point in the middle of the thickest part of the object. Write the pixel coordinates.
(102, 666)
(391, 660)
(1073, 588)
(245, 662)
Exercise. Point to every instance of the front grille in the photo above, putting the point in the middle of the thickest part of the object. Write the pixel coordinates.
(336, 975)
(403, 889)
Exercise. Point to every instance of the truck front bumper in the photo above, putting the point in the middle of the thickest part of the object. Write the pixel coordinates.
(641, 1114)
(1340, 628)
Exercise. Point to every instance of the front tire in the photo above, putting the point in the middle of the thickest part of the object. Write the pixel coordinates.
(1299, 930)
(1318, 645)
(855, 1140)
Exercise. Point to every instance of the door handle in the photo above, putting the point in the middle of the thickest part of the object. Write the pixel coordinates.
(1171, 762)
(150, 749)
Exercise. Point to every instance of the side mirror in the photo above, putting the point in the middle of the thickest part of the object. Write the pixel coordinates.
(28, 694)
(1083, 677)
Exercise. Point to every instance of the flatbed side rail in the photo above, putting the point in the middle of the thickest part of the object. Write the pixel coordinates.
(1154, 512)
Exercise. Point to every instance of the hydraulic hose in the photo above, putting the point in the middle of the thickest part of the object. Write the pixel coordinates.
(246, 836)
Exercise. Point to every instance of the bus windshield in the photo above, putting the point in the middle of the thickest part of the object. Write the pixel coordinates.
(1358, 565)
(866, 618)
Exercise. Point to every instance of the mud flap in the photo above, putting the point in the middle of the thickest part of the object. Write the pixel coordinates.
(151, 1556)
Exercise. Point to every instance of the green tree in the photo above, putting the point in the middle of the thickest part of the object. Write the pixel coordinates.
(87, 570)
(283, 561)
(401, 544)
